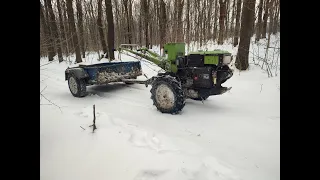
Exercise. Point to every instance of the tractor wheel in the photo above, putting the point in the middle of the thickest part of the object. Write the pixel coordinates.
(200, 98)
(77, 86)
(167, 95)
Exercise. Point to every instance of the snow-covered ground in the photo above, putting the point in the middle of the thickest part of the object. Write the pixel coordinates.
(235, 136)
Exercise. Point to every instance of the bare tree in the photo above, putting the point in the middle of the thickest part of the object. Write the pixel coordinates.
(62, 29)
(259, 25)
(242, 60)
(221, 20)
(271, 15)
(110, 29)
(215, 25)
(232, 18)
(162, 23)
(178, 20)
(80, 27)
(140, 23)
(45, 28)
(125, 4)
(54, 29)
(73, 30)
(145, 10)
(209, 21)
(237, 28)
(227, 19)
(276, 17)
(68, 32)
(188, 23)
(265, 19)
(100, 28)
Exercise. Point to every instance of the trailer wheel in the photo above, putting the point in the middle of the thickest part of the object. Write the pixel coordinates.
(77, 86)
(200, 98)
(167, 95)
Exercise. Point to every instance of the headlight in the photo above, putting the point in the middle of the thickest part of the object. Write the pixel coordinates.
(226, 59)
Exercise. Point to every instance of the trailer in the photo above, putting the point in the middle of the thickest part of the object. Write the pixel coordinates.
(99, 74)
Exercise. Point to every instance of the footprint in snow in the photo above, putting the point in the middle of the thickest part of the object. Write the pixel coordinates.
(149, 174)
(210, 168)
(88, 112)
(141, 138)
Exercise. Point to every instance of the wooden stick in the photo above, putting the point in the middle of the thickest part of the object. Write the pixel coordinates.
(94, 118)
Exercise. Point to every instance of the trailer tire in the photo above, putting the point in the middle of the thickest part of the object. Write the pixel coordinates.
(77, 86)
(167, 95)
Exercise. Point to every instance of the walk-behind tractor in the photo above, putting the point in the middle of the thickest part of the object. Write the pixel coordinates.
(196, 75)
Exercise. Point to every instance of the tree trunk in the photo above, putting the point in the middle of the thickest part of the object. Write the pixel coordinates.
(232, 18)
(226, 33)
(110, 29)
(48, 40)
(157, 7)
(125, 4)
(117, 22)
(209, 13)
(140, 26)
(276, 17)
(54, 29)
(67, 29)
(272, 14)
(180, 23)
(62, 30)
(265, 19)
(215, 25)
(162, 23)
(188, 23)
(242, 60)
(221, 20)
(199, 23)
(131, 22)
(100, 28)
(259, 25)
(73, 30)
(203, 21)
(80, 27)
(237, 28)
(145, 7)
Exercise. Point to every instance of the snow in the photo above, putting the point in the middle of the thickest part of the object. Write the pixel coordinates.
(235, 136)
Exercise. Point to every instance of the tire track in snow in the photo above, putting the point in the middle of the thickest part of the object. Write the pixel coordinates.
(142, 138)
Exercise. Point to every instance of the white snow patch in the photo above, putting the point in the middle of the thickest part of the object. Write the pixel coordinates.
(230, 137)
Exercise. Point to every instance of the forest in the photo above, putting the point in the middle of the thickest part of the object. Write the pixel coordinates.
(80, 26)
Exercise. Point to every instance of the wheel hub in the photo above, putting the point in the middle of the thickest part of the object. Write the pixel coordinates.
(165, 97)
(73, 85)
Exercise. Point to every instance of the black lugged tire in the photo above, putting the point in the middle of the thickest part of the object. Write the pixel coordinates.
(172, 84)
(80, 86)
(200, 98)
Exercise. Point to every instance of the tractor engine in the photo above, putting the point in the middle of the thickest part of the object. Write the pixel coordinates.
(207, 69)
(202, 72)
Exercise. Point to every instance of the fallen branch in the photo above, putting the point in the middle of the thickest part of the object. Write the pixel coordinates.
(43, 89)
(82, 128)
(50, 101)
